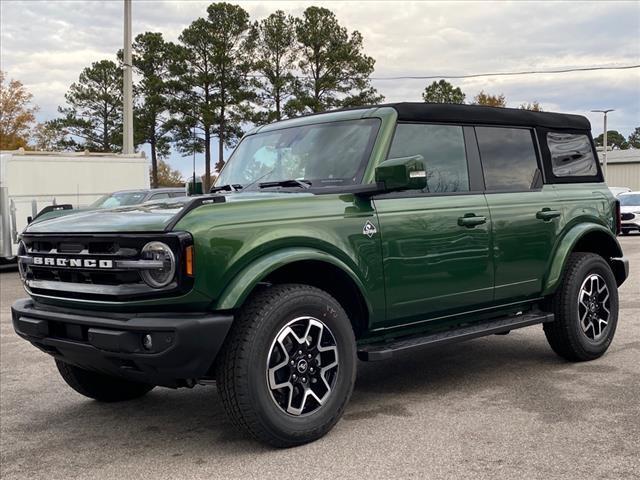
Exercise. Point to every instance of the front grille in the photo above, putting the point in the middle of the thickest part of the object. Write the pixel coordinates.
(90, 267)
(627, 216)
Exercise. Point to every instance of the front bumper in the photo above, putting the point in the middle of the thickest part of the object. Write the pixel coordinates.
(631, 225)
(183, 347)
(630, 221)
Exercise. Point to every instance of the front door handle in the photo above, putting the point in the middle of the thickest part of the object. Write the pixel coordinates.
(547, 214)
(471, 220)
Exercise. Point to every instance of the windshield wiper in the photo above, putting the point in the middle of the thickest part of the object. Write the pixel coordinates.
(226, 188)
(286, 183)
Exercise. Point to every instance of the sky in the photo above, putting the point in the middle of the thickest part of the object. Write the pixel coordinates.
(45, 44)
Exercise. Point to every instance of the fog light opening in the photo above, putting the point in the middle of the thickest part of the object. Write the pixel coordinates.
(147, 342)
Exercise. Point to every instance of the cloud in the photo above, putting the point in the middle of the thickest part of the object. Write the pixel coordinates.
(46, 44)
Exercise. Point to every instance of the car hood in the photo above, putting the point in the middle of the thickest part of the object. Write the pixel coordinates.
(630, 209)
(147, 217)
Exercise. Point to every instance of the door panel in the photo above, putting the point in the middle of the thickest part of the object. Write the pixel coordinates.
(525, 215)
(437, 259)
(525, 226)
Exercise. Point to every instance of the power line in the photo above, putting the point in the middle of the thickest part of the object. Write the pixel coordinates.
(492, 74)
(504, 74)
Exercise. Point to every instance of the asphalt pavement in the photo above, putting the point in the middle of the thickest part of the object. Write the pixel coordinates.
(496, 407)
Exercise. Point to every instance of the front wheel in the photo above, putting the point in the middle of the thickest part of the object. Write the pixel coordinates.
(586, 309)
(287, 369)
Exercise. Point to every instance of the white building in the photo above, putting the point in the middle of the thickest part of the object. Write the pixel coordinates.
(30, 181)
(623, 168)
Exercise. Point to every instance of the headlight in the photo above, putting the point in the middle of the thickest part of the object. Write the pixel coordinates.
(159, 277)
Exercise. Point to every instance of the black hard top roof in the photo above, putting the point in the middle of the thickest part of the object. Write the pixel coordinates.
(479, 114)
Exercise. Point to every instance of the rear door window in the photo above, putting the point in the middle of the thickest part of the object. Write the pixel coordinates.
(508, 156)
(443, 150)
(571, 155)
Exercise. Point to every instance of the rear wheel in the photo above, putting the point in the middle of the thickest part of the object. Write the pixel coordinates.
(287, 369)
(586, 309)
(101, 387)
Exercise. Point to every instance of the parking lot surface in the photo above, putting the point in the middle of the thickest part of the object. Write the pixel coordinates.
(497, 407)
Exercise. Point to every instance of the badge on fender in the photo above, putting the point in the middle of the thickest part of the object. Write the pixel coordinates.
(369, 229)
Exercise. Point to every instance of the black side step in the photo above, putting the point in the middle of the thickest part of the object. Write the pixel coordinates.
(383, 351)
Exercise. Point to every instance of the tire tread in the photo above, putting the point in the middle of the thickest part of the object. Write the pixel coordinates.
(560, 333)
(232, 365)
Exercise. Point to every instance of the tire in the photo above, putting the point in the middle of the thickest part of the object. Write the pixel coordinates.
(626, 231)
(252, 360)
(101, 387)
(577, 333)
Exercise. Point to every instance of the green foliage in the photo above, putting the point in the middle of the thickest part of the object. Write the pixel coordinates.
(534, 107)
(335, 71)
(614, 140)
(211, 86)
(443, 92)
(634, 138)
(223, 73)
(152, 58)
(51, 136)
(93, 112)
(483, 98)
(276, 56)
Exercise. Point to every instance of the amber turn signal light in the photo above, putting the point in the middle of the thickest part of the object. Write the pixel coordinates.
(188, 260)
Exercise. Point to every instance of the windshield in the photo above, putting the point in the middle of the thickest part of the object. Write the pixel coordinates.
(629, 200)
(325, 154)
(119, 199)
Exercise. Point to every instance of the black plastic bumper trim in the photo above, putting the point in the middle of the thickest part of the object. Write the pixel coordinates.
(184, 345)
(620, 267)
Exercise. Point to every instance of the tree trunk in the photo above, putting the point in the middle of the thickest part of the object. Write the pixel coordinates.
(207, 160)
(106, 147)
(154, 165)
(278, 115)
(221, 137)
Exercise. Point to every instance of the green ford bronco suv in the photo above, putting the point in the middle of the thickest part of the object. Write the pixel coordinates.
(327, 238)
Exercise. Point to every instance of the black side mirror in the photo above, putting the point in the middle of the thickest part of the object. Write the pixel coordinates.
(404, 173)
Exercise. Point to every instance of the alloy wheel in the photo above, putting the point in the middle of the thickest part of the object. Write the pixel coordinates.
(594, 307)
(302, 366)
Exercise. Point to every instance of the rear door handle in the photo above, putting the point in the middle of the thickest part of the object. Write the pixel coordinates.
(547, 214)
(470, 220)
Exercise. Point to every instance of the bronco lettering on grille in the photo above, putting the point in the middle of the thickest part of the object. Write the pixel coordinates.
(72, 262)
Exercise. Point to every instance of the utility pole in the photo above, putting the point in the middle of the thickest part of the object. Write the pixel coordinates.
(127, 87)
(604, 141)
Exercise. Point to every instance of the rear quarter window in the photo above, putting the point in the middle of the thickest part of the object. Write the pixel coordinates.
(571, 155)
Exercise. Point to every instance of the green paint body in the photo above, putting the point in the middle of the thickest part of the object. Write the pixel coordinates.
(422, 269)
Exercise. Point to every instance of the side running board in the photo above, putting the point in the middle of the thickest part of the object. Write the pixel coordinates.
(383, 351)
